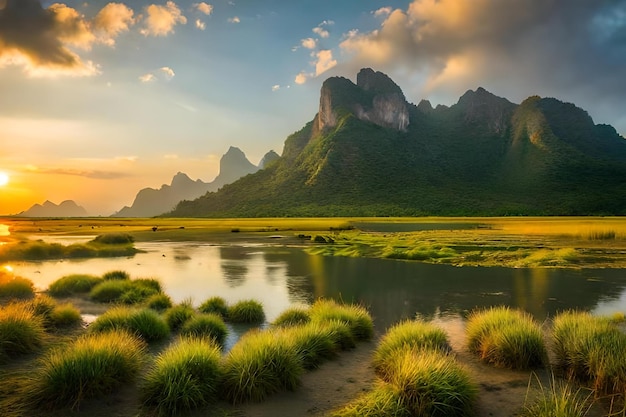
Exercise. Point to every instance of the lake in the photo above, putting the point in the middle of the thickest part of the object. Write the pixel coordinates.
(392, 290)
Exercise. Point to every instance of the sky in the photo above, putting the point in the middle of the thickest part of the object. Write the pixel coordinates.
(100, 99)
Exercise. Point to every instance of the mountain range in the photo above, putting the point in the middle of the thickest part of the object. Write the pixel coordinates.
(67, 208)
(368, 152)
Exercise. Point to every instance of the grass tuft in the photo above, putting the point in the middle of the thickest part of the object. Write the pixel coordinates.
(559, 399)
(114, 239)
(383, 400)
(246, 311)
(42, 306)
(206, 325)
(294, 316)
(215, 305)
(145, 323)
(65, 315)
(14, 287)
(159, 302)
(357, 318)
(21, 331)
(117, 274)
(180, 314)
(73, 284)
(314, 343)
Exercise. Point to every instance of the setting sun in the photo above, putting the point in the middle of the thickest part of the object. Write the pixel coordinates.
(4, 179)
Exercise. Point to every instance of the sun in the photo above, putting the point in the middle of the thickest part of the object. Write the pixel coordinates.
(4, 178)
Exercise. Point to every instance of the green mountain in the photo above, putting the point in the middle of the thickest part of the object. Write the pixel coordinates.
(368, 152)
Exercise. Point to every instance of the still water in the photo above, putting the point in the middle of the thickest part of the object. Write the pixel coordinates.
(392, 290)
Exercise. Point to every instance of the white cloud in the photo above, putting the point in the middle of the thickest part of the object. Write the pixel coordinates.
(161, 20)
(327, 23)
(382, 12)
(234, 19)
(147, 78)
(203, 7)
(323, 33)
(301, 78)
(167, 72)
(200, 24)
(324, 62)
(275, 87)
(309, 43)
(113, 19)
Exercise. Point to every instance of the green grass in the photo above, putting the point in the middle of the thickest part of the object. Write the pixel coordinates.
(114, 239)
(184, 377)
(357, 317)
(210, 326)
(73, 284)
(180, 314)
(246, 311)
(93, 366)
(42, 306)
(215, 305)
(65, 315)
(383, 400)
(21, 331)
(145, 323)
(117, 274)
(559, 399)
(125, 291)
(293, 316)
(14, 287)
(259, 365)
(406, 335)
(159, 302)
(506, 338)
(314, 343)
(431, 383)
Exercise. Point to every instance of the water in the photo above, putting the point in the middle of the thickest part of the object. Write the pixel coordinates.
(392, 290)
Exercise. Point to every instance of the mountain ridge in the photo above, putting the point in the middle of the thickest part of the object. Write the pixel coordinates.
(67, 208)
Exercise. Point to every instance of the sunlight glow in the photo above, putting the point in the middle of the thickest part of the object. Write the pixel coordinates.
(4, 178)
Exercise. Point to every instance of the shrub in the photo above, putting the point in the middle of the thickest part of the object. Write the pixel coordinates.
(114, 239)
(94, 365)
(115, 275)
(178, 315)
(145, 323)
(259, 365)
(313, 343)
(431, 383)
(206, 325)
(73, 284)
(357, 318)
(246, 311)
(159, 302)
(184, 377)
(15, 287)
(65, 315)
(293, 316)
(407, 335)
(21, 331)
(215, 305)
(506, 338)
(383, 400)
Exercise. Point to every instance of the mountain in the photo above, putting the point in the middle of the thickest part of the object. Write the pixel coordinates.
(67, 208)
(151, 202)
(368, 152)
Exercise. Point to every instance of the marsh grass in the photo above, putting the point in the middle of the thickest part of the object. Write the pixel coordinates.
(246, 311)
(431, 383)
(419, 252)
(357, 317)
(184, 377)
(145, 323)
(293, 316)
(210, 326)
(42, 306)
(314, 343)
(65, 315)
(506, 338)
(73, 284)
(159, 302)
(383, 400)
(114, 239)
(21, 330)
(260, 364)
(179, 314)
(117, 274)
(14, 287)
(125, 291)
(216, 305)
(407, 335)
(558, 399)
(93, 366)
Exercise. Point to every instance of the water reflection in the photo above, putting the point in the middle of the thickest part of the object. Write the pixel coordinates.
(4, 230)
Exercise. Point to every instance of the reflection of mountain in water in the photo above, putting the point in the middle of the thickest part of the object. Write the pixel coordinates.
(233, 265)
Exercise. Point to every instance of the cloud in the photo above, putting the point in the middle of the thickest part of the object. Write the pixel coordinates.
(301, 78)
(161, 20)
(203, 7)
(324, 62)
(234, 20)
(200, 24)
(383, 11)
(167, 72)
(147, 78)
(93, 174)
(113, 19)
(164, 73)
(323, 33)
(275, 87)
(309, 43)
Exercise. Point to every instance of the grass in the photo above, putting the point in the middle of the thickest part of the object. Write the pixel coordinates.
(21, 331)
(145, 323)
(73, 284)
(65, 315)
(383, 400)
(42, 306)
(184, 377)
(293, 316)
(215, 305)
(314, 343)
(180, 314)
(117, 274)
(14, 287)
(356, 317)
(260, 364)
(506, 338)
(406, 335)
(159, 302)
(559, 399)
(125, 291)
(114, 239)
(210, 326)
(92, 366)
(246, 311)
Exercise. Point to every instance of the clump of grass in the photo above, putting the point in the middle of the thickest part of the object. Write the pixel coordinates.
(357, 318)
(21, 331)
(601, 235)
(114, 239)
(215, 305)
(259, 365)
(73, 284)
(117, 274)
(159, 302)
(383, 400)
(42, 306)
(294, 316)
(145, 323)
(506, 338)
(406, 335)
(94, 365)
(431, 383)
(110, 291)
(206, 325)
(65, 315)
(178, 315)
(246, 311)
(125, 291)
(14, 287)
(339, 332)
(559, 399)
(314, 343)
(591, 349)
(184, 377)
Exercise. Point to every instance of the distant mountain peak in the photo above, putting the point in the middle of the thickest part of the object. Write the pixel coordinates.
(67, 208)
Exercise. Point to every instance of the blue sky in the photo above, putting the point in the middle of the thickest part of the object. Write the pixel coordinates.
(99, 99)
